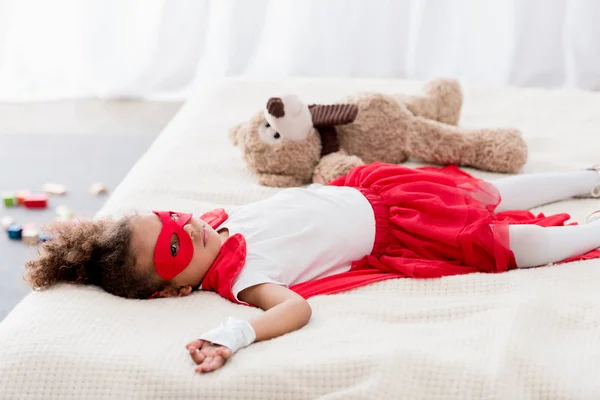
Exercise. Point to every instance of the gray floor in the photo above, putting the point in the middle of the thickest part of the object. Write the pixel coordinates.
(73, 143)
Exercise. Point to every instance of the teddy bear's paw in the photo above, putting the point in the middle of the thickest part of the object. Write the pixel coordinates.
(333, 166)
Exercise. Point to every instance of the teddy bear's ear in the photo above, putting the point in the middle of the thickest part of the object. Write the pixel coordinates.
(233, 133)
(275, 107)
(333, 114)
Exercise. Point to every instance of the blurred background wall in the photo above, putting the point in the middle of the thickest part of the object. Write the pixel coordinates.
(154, 49)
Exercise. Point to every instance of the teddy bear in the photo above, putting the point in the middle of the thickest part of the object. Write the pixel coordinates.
(290, 143)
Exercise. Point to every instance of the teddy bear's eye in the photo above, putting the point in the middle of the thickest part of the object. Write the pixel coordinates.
(276, 135)
(267, 125)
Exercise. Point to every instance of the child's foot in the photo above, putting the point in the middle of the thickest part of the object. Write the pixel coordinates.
(593, 216)
(595, 192)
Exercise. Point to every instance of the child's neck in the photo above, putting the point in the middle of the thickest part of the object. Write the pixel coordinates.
(224, 234)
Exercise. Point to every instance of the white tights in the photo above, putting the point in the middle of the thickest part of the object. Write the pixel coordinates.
(533, 245)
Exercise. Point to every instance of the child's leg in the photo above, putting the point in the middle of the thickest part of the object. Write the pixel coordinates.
(534, 245)
(522, 192)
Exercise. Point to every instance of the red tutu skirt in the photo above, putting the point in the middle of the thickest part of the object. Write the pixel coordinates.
(434, 222)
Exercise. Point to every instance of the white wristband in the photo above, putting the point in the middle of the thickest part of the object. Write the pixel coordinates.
(234, 334)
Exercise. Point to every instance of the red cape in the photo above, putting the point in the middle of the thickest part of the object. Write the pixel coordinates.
(232, 257)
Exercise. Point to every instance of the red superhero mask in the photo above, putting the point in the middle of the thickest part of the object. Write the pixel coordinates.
(168, 265)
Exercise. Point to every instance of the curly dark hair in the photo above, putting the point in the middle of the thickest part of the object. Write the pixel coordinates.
(93, 253)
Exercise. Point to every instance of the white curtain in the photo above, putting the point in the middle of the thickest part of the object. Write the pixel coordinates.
(154, 49)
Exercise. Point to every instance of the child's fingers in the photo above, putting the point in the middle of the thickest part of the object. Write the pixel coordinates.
(202, 369)
(224, 352)
(210, 364)
(194, 344)
(205, 366)
(198, 357)
(216, 363)
(193, 348)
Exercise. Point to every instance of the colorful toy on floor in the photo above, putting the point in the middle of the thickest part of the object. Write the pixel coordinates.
(9, 199)
(63, 212)
(21, 195)
(30, 234)
(98, 188)
(36, 201)
(55, 189)
(15, 232)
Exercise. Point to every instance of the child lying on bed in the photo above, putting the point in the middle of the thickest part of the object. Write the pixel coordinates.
(378, 222)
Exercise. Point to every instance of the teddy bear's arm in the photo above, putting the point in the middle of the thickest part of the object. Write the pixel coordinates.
(233, 133)
(441, 101)
(333, 166)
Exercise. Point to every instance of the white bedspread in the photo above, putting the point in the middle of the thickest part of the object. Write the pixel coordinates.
(522, 334)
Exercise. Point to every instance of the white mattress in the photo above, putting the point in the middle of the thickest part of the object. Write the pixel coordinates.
(522, 334)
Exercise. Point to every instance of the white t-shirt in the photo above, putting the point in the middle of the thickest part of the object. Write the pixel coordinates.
(301, 234)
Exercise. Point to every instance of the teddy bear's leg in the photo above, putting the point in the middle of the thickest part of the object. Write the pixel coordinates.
(496, 150)
(442, 101)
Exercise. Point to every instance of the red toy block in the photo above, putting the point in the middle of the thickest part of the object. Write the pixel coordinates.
(28, 227)
(21, 195)
(36, 201)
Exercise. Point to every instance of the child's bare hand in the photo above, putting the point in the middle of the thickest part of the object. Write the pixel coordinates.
(207, 355)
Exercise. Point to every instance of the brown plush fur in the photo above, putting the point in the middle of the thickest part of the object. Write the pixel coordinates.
(282, 164)
(389, 129)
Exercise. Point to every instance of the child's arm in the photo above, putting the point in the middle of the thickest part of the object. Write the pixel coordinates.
(285, 311)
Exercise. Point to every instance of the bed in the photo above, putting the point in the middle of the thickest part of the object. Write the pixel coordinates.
(523, 334)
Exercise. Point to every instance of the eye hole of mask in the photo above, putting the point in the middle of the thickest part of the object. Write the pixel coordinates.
(174, 217)
(174, 247)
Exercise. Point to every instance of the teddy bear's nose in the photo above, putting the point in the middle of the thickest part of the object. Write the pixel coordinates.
(275, 107)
